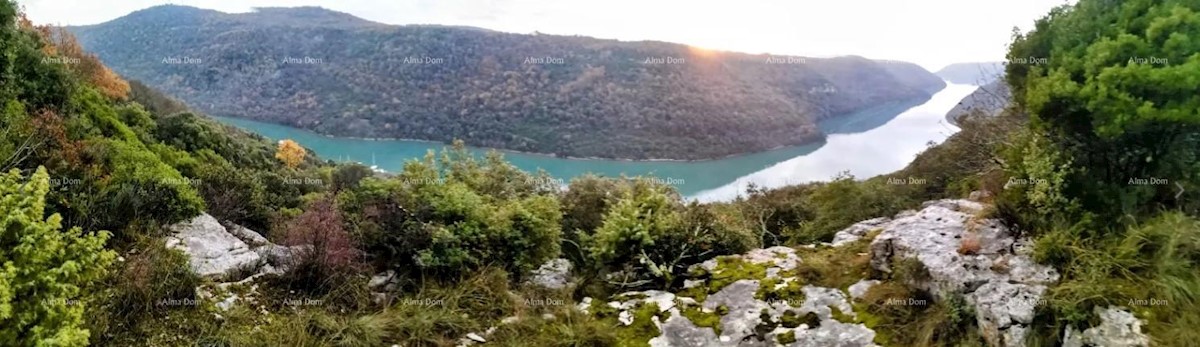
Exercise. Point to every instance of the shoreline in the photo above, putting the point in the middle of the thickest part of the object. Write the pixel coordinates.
(818, 138)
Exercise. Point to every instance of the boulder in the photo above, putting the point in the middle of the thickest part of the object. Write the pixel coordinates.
(250, 237)
(1118, 328)
(999, 278)
(858, 231)
(554, 274)
(281, 257)
(834, 333)
(212, 251)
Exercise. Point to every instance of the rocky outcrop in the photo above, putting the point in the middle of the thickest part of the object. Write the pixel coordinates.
(858, 231)
(995, 275)
(742, 316)
(219, 252)
(1118, 328)
(212, 251)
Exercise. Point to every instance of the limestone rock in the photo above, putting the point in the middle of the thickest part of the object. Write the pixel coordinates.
(834, 333)
(858, 231)
(999, 279)
(744, 309)
(381, 280)
(250, 237)
(554, 274)
(212, 251)
(678, 331)
(1118, 328)
(859, 290)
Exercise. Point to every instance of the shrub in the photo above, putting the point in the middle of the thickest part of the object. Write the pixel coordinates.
(140, 188)
(46, 271)
(328, 255)
(842, 202)
(448, 217)
(649, 235)
(1102, 105)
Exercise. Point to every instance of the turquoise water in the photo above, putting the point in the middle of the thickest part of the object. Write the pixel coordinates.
(702, 179)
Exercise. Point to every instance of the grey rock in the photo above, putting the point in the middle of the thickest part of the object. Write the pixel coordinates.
(834, 333)
(554, 274)
(212, 251)
(281, 257)
(859, 290)
(382, 280)
(1118, 328)
(822, 301)
(250, 237)
(585, 304)
(678, 331)
(1000, 279)
(858, 231)
(744, 309)
(979, 195)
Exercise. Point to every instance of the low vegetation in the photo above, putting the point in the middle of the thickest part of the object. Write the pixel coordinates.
(95, 166)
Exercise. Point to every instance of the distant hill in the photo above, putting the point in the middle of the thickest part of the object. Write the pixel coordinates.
(972, 73)
(568, 95)
(988, 100)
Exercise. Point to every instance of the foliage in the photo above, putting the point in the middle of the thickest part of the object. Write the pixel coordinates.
(649, 236)
(450, 216)
(140, 187)
(290, 153)
(152, 281)
(1113, 89)
(63, 48)
(905, 317)
(1149, 268)
(46, 272)
(475, 85)
(842, 202)
(328, 255)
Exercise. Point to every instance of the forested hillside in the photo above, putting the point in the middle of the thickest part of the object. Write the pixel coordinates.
(567, 95)
(1068, 219)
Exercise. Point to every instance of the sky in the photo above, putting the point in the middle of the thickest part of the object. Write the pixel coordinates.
(932, 33)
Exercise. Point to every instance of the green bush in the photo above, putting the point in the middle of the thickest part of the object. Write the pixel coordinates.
(845, 201)
(47, 273)
(1114, 92)
(650, 237)
(450, 216)
(140, 187)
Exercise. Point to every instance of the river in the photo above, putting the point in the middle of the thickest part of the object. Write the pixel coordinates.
(872, 142)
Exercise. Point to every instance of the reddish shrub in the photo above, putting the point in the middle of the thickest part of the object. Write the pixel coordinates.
(331, 253)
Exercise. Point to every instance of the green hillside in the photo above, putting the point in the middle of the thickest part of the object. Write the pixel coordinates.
(110, 191)
(567, 95)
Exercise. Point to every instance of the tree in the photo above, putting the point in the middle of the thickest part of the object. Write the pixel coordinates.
(290, 153)
(1112, 86)
(43, 271)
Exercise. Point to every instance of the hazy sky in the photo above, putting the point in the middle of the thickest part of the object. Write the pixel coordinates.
(932, 33)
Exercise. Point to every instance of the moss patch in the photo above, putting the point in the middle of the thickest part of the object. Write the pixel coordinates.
(703, 319)
(733, 269)
(786, 337)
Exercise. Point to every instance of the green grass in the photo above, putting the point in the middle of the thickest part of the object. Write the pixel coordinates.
(1152, 269)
